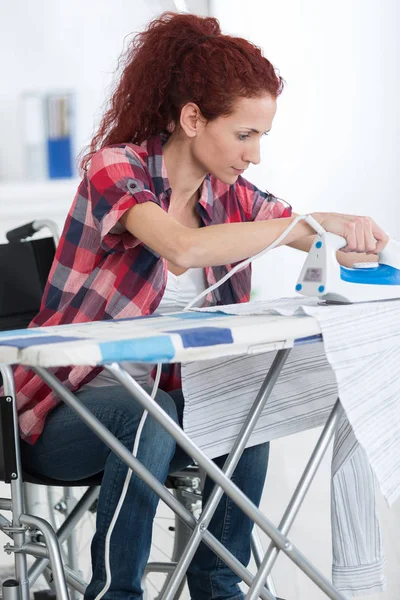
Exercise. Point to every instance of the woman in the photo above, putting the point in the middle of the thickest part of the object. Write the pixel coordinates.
(161, 213)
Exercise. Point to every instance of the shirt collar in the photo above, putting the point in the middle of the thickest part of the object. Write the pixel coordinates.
(158, 172)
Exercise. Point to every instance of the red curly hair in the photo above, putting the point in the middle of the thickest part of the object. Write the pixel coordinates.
(180, 58)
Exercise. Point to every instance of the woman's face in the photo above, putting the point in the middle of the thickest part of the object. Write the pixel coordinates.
(226, 146)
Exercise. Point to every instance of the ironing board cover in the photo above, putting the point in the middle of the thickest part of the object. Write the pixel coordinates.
(176, 337)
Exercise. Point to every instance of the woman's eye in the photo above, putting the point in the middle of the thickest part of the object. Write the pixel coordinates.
(242, 136)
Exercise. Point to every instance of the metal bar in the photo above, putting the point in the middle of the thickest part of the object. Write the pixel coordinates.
(51, 502)
(216, 474)
(258, 554)
(228, 469)
(33, 549)
(54, 553)
(17, 495)
(181, 538)
(256, 547)
(75, 581)
(72, 538)
(49, 578)
(297, 499)
(108, 438)
(159, 567)
(64, 531)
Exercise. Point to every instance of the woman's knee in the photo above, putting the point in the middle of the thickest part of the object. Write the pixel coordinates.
(152, 432)
(121, 413)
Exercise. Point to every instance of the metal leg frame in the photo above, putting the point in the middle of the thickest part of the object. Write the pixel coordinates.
(280, 540)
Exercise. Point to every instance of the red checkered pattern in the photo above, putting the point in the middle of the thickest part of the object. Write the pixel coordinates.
(101, 271)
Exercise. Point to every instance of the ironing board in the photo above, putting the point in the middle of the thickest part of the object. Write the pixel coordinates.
(182, 337)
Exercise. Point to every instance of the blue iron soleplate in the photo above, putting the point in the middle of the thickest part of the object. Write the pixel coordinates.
(382, 275)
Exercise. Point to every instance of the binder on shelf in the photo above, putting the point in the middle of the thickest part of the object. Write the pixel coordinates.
(59, 118)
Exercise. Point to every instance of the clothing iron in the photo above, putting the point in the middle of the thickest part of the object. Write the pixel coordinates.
(323, 276)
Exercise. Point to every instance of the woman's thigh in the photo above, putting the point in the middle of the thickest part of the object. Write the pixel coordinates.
(68, 449)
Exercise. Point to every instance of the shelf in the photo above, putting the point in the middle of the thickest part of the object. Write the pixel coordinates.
(10, 189)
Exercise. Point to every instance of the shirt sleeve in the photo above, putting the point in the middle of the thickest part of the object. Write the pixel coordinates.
(259, 205)
(117, 180)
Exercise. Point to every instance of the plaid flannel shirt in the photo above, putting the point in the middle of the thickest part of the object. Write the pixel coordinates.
(101, 271)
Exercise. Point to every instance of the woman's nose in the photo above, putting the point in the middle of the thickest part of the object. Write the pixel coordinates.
(253, 155)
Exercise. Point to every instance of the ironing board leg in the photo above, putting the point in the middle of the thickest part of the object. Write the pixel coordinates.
(133, 463)
(228, 469)
(297, 499)
(258, 554)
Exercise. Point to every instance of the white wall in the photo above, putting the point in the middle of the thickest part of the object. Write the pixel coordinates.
(335, 140)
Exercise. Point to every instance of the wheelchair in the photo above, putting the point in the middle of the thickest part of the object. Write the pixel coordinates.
(24, 266)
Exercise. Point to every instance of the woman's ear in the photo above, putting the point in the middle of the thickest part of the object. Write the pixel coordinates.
(191, 119)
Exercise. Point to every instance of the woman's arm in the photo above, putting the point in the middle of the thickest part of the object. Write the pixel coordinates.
(208, 246)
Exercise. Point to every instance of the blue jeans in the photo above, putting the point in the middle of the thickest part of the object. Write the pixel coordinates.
(69, 450)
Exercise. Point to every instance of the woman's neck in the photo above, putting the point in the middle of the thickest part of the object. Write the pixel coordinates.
(185, 177)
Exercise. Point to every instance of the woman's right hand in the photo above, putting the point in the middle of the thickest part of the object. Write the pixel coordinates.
(361, 233)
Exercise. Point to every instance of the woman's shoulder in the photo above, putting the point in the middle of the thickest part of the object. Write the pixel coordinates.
(122, 153)
(114, 164)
